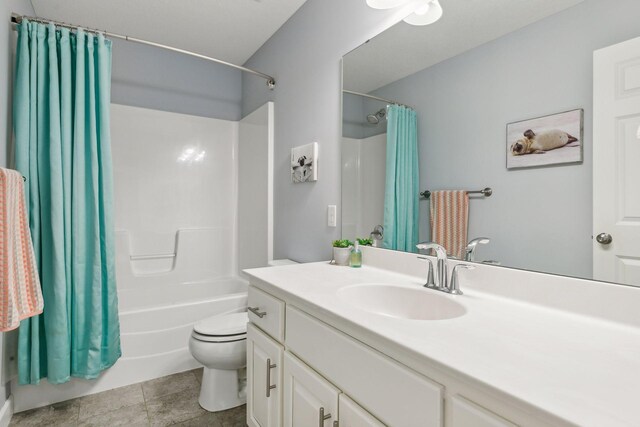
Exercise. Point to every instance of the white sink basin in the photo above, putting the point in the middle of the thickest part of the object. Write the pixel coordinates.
(401, 302)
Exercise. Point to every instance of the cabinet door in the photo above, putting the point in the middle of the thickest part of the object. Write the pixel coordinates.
(353, 415)
(264, 379)
(464, 413)
(309, 400)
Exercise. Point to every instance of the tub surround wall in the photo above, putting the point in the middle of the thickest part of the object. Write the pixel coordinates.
(255, 188)
(175, 172)
(363, 184)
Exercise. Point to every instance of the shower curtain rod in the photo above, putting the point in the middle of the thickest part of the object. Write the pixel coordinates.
(16, 19)
(388, 101)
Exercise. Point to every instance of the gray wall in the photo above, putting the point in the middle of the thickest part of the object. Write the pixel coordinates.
(304, 57)
(7, 51)
(353, 116)
(149, 77)
(537, 218)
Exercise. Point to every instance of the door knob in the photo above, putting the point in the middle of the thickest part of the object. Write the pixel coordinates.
(604, 238)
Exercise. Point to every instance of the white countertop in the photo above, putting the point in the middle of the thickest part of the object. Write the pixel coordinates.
(580, 369)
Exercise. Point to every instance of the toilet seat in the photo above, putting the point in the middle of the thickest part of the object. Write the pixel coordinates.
(225, 328)
(216, 339)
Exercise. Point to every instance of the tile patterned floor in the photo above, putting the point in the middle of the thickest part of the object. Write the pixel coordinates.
(171, 400)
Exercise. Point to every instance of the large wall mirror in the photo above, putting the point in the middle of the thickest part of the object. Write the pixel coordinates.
(489, 79)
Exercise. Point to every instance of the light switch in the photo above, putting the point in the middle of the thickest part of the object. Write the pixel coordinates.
(332, 213)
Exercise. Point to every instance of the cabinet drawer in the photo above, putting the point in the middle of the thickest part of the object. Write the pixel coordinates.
(394, 394)
(466, 413)
(267, 312)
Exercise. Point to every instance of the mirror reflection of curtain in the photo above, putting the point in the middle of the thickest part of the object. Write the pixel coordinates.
(62, 146)
(401, 213)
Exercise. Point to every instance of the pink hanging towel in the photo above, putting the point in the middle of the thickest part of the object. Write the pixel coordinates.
(449, 220)
(20, 292)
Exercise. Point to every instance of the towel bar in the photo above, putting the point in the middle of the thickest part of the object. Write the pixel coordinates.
(486, 192)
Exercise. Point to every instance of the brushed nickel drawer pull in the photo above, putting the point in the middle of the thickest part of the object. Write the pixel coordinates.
(270, 387)
(257, 312)
(322, 417)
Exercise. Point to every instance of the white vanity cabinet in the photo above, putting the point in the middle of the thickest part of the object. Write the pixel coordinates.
(309, 399)
(264, 379)
(303, 372)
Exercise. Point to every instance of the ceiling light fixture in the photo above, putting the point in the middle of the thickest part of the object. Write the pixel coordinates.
(426, 11)
(425, 14)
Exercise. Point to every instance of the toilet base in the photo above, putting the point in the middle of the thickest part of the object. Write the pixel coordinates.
(222, 389)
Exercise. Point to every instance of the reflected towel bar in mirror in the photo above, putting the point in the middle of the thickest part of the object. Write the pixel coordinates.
(486, 192)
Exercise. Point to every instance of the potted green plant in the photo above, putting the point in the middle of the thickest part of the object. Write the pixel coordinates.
(365, 241)
(341, 251)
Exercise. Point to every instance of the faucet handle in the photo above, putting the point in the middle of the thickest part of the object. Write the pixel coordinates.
(428, 245)
(440, 250)
(431, 280)
(454, 289)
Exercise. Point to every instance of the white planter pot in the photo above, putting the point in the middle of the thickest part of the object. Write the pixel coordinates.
(341, 255)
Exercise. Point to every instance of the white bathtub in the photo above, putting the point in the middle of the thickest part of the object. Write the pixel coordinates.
(154, 335)
(157, 331)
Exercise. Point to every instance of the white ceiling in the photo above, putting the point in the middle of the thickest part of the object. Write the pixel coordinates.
(231, 30)
(405, 49)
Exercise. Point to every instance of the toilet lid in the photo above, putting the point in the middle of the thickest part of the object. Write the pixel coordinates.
(222, 326)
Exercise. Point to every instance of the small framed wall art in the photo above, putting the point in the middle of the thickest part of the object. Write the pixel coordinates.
(550, 140)
(304, 163)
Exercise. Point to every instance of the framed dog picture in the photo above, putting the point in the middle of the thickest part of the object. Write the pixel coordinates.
(544, 141)
(304, 163)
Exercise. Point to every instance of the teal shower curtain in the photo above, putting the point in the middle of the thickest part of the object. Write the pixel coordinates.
(401, 213)
(62, 147)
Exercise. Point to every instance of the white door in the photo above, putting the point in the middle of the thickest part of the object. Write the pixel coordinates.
(353, 415)
(264, 368)
(616, 163)
(309, 399)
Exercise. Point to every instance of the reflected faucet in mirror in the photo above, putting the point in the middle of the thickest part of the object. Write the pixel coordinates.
(470, 250)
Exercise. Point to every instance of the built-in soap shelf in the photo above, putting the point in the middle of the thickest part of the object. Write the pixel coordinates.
(188, 255)
(153, 256)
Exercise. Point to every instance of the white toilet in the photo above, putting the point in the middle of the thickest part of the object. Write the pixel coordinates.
(220, 344)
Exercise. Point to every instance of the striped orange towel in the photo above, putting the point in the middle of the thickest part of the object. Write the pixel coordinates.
(449, 220)
(20, 292)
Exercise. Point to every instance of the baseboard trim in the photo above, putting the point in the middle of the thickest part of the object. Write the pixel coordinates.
(6, 412)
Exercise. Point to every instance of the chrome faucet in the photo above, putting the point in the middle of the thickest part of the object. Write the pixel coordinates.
(455, 282)
(470, 250)
(441, 281)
